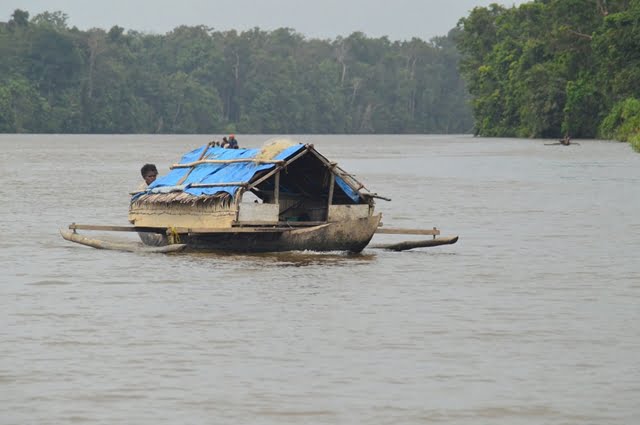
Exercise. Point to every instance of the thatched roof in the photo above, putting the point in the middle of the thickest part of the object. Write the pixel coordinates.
(213, 175)
(221, 198)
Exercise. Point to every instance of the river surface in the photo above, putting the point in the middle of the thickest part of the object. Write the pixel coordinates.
(533, 317)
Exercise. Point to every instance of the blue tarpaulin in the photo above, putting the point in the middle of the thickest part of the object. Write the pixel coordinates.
(238, 172)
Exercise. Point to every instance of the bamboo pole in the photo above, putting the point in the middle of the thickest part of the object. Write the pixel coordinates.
(280, 167)
(335, 169)
(348, 179)
(396, 231)
(227, 161)
(204, 152)
(244, 227)
(201, 185)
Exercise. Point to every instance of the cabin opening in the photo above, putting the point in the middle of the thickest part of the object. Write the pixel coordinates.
(304, 191)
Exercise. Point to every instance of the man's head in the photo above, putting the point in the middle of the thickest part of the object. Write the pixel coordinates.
(149, 173)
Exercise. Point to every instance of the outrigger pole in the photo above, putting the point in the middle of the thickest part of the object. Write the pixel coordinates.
(120, 246)
(403, 246)
(135, 247)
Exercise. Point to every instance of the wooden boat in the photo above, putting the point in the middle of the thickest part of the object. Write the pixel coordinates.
(565, 141)
(283, 197)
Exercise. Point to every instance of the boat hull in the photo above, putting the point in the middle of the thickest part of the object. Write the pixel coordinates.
(349, 235)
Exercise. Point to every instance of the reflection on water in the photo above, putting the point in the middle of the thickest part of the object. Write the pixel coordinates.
(284, 259)
(530, 318)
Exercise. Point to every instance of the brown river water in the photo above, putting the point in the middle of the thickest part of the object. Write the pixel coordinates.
(533, 317)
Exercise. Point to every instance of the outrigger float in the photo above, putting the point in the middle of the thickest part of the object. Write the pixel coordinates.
(283, 197)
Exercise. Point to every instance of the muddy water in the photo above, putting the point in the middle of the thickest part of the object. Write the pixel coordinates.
(532, 317)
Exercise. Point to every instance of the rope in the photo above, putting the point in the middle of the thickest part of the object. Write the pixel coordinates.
(173, 236)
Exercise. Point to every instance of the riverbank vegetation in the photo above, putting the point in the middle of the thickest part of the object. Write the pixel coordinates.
(548, 68)
(57, 79)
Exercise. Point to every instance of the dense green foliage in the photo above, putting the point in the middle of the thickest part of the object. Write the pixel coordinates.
(623, 123)
(195, 80)
(554, 67)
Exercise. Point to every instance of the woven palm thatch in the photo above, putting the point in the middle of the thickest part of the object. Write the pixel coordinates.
(273, 147)
(220, 200)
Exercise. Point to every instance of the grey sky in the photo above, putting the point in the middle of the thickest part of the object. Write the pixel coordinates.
(398, 19)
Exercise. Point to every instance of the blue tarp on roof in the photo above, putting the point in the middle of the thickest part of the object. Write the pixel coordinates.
(219, 173)
(240, 172)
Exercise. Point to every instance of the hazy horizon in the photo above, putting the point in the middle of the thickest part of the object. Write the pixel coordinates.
(399, 20)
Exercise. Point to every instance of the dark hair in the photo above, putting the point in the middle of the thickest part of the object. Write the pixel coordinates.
(146, 168)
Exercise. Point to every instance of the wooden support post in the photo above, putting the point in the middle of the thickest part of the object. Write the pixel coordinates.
(276, 189)
(332, 181)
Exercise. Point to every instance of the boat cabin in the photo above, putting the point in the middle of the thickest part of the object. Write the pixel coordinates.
(281, 184)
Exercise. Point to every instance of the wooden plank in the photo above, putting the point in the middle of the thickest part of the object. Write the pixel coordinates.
(75, 226)
(265, 214)
(180, 215)
(348, 212)
(392, 231)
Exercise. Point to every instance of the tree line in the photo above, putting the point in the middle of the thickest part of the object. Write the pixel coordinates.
(550, 68)
(57, 79)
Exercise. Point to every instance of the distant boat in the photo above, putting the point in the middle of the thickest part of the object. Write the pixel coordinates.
(565, 141)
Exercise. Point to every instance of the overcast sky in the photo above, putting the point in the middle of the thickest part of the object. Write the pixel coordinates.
(398, 19)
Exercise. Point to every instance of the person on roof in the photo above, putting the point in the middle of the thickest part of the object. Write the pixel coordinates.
(149, 173)
(233, 143)
(225, 142)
